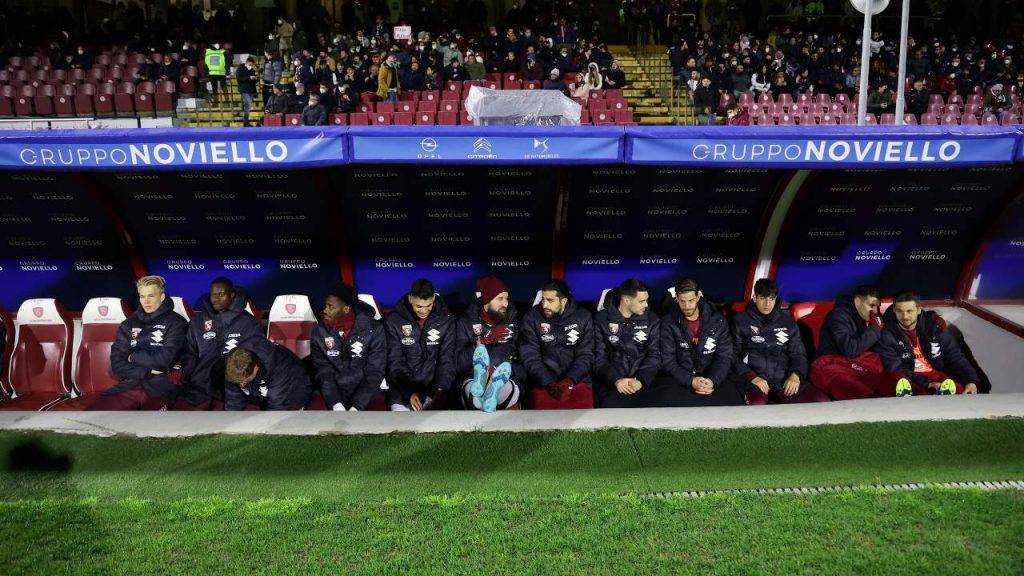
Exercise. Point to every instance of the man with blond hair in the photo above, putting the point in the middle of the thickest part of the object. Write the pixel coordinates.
(145, 355)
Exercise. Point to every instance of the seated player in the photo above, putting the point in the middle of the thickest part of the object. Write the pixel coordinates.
(916, 347)
(771, 363)
(349, 351)
(627, 356)
(261, 375)
(486, 360)
(556, 345)
(421, 345)
(216, 329)
(696, 351)
(848, 365)
(145, 354)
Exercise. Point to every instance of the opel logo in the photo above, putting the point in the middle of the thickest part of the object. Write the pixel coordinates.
(428, 144)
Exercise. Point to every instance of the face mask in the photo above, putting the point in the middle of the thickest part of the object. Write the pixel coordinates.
(323, 91)
(216, 46)
(270, 36)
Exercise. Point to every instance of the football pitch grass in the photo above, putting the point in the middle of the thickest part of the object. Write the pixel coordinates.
(518, 503)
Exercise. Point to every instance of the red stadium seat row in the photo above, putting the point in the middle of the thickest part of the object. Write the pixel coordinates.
(430, 118)
(87, 100)
(434, 105)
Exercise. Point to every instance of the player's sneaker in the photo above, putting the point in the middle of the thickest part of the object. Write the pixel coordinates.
(903, 387)
(481, 361)
(947, 388)
(502, 374)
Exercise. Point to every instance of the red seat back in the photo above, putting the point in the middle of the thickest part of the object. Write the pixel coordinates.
(6, 349)
(291, 323)
(41, 362)
(101, 319)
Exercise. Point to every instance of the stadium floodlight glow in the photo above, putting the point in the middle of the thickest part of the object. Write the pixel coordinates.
(869, 8)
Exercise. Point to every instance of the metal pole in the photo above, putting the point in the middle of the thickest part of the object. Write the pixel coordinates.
(865, 65)
(901, 78)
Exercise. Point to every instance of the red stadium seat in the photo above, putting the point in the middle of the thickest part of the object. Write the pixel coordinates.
(929, 120)
(598, 105)
(451, 96)
(164, 98)
(144, 101)
(402, 118)
(64, 102)
(273, 119)
(955, 99)
(786, 120)
(810, 316)
(531, 84)
(724, 101)
(101, 319)
(969, 120)
(624, 117)
(935, 100)
(41, 361)
(493, 76)
(447, 118)
(337, 119)
(950, 120)
(512, 85)
(58, 76)
(807, 119)
(510, 78)
(291, 323)
(570, 77)
(492, 84)
(888, 119)
(449, 106)
(358, 119)
(467, 84)
(293, 119)
(584, 117)
(7, 96)
(5, 356)
(989, 120)
(84, 100)
(124, 99)
(365, 107)
(602, 117)
(1010, 119)
(453, 86)
(23, 103)
(405, 107)
(426, 106)
(614, 94)
(43, 100)
(465, 119)
(826, 99)
(426, 118)
(910, 120)
(380, 119)
(367, 96)
(385, 108)
(430, 95)
(408, 96)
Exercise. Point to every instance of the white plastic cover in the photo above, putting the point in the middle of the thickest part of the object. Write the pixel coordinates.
(521, 108)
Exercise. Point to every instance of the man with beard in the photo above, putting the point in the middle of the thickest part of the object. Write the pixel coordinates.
(145, 353)
(421, 344)
(848, 365)
(916, 347)
(556, 343)
(349, 351)
(696, 351)
(216, 329)
(261, 375)
(627, 356)
(771, 361)
(485, 350)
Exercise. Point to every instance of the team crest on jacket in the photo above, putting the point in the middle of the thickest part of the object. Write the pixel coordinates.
(136, 332)
(406, 329)
(329, 342)
(478, 329)
(756, 337)
(613, 328)
(545, 328)
(207, 325)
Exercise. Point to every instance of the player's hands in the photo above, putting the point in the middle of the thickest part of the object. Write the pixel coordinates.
(761, 384)
(415, 402)
(495, 335)
(875, 321)
(971, 388)
(702, 385)
(792, 385)
(628, 386)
